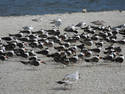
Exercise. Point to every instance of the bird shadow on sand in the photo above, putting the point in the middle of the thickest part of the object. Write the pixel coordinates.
(60, 88)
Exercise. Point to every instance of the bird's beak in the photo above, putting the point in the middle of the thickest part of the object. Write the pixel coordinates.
(43, 62)
(6, 56)
(100, 57)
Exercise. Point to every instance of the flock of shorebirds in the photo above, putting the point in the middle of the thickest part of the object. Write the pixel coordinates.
(77, 43)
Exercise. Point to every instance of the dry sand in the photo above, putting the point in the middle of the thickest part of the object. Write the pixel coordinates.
(16, 78)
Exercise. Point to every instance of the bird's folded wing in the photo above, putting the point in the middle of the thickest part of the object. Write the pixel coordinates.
(70, 77)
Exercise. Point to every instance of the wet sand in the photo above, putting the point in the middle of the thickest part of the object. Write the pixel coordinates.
(16, 78)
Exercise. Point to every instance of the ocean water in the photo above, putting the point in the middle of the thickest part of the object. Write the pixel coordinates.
(39, 7)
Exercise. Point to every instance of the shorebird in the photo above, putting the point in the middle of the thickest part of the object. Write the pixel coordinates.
(57, 22)
(27, 28)
(98, 22)
(110, 57)
(95, 37)
(73, 59)
(32, 62)
(71, 28)
(81, 25)
(119, 59)
(87, 53)
(122, 41)
(70, 79)
(81, 55)
(94, 59)
(96, 50)
(7, 38)
(10, 53)
(2, 57)
(99, 44)
(18, 35)
(43, 52)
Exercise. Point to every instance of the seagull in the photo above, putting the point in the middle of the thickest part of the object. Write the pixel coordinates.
(28, 28)
(70, 79)
(56, 22)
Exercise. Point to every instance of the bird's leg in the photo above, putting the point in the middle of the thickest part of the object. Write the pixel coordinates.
(58, 27)
(34, 68)
(120, 65)
(93, 63)
(64, 86)
(71, 86)
(63, 66)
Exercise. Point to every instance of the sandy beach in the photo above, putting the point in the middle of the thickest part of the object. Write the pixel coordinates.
(16, 78)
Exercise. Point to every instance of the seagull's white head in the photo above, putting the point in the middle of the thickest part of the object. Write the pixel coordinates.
(59, 20)
(77, 75)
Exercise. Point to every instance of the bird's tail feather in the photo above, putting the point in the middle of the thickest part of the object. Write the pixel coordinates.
(23, 62)
(60, 82)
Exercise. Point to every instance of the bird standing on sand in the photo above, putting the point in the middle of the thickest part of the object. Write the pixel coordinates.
(70, 79)
(27, 28)
(119, 59)
(57, 22)
(98, 22)
(71, 28)
(32, 62)
(81, 25)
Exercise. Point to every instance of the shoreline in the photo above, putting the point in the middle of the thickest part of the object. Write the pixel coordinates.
(63, 13)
